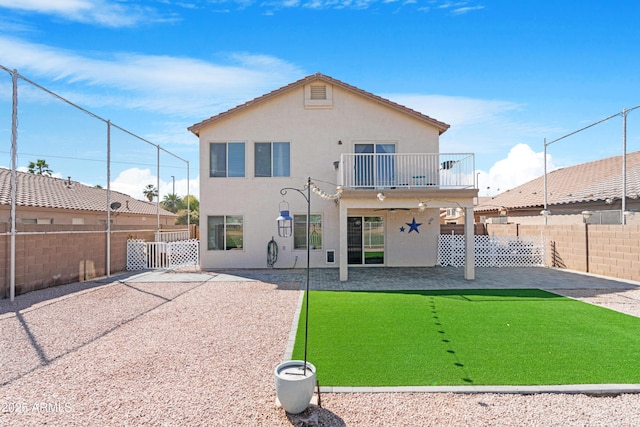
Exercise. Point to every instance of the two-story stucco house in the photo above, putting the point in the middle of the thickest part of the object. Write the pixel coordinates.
(377, 164)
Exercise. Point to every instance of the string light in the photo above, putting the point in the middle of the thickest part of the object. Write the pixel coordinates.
(324, 195)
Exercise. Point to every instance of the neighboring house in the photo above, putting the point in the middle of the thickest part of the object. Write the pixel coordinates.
(589, 192)
(61, 234)
(451, 216)
(45, 200)
(378, 176)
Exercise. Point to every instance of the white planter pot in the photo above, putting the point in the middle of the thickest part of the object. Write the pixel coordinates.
(294, 390)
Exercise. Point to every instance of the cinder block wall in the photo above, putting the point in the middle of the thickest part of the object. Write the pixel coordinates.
(615, 251)
(44, 260)
(608, 250)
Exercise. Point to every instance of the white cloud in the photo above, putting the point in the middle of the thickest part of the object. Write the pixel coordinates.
(133, 181)
(26, 169)
(180, 86)
(482, 126)
(456, 110)
(462, 10)
(455, 8)
(125, 14)
(458, 7)
(485, 127)
(521, 165)
(100, 12)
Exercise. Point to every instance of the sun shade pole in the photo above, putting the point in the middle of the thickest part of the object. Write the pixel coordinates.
(14, 151)
(306, 320)
(158, 192)
(108, 269)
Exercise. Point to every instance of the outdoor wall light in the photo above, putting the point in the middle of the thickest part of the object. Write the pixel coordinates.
(503, 211)
(285, 222)
(422, 206)
(381, 197)
(545, 212)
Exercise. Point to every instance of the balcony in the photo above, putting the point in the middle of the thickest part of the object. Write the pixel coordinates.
(407, 171)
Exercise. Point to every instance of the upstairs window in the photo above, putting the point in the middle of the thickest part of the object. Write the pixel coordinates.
(272, 159)
(226, 160)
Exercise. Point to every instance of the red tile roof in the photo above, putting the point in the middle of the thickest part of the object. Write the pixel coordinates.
(47, 192)
(442, 127)
(587, 182)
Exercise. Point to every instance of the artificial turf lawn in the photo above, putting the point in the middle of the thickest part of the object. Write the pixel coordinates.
(466, 337)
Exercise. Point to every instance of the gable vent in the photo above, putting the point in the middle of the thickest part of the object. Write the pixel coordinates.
(318, 92)
(318, 96)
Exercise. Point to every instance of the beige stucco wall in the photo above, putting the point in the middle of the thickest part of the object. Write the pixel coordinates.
(313, 135)
(412, 249)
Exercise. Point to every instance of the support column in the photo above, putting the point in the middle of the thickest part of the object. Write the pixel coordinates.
(344, 259)
(469, 245)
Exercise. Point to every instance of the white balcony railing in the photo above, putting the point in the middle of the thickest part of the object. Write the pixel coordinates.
(441, 170)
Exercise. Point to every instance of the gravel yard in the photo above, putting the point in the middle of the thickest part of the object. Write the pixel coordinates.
(203, 353)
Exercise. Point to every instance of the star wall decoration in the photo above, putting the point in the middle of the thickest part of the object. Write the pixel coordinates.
(402, 229)
(413, 226)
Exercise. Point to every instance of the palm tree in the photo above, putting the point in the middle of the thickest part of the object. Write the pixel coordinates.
(40, 167)
(150, 192)
(172, 203)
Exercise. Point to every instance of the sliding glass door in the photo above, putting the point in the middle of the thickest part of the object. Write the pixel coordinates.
(365, 240)
(375, 166)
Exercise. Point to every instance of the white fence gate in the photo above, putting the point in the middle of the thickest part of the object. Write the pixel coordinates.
(143, 255)
(490, 251)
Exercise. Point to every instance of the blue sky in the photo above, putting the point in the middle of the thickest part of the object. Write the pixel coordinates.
(504, 74)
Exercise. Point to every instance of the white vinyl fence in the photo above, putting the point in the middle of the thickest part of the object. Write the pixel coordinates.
(143, 255)
(491, 251)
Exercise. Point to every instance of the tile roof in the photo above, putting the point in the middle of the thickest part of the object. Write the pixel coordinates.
(587, 182)
(47, 192)
(442, 127)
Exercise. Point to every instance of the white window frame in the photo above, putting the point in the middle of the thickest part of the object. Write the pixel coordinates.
(271, 166)
(226, 171)
(225, 225)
